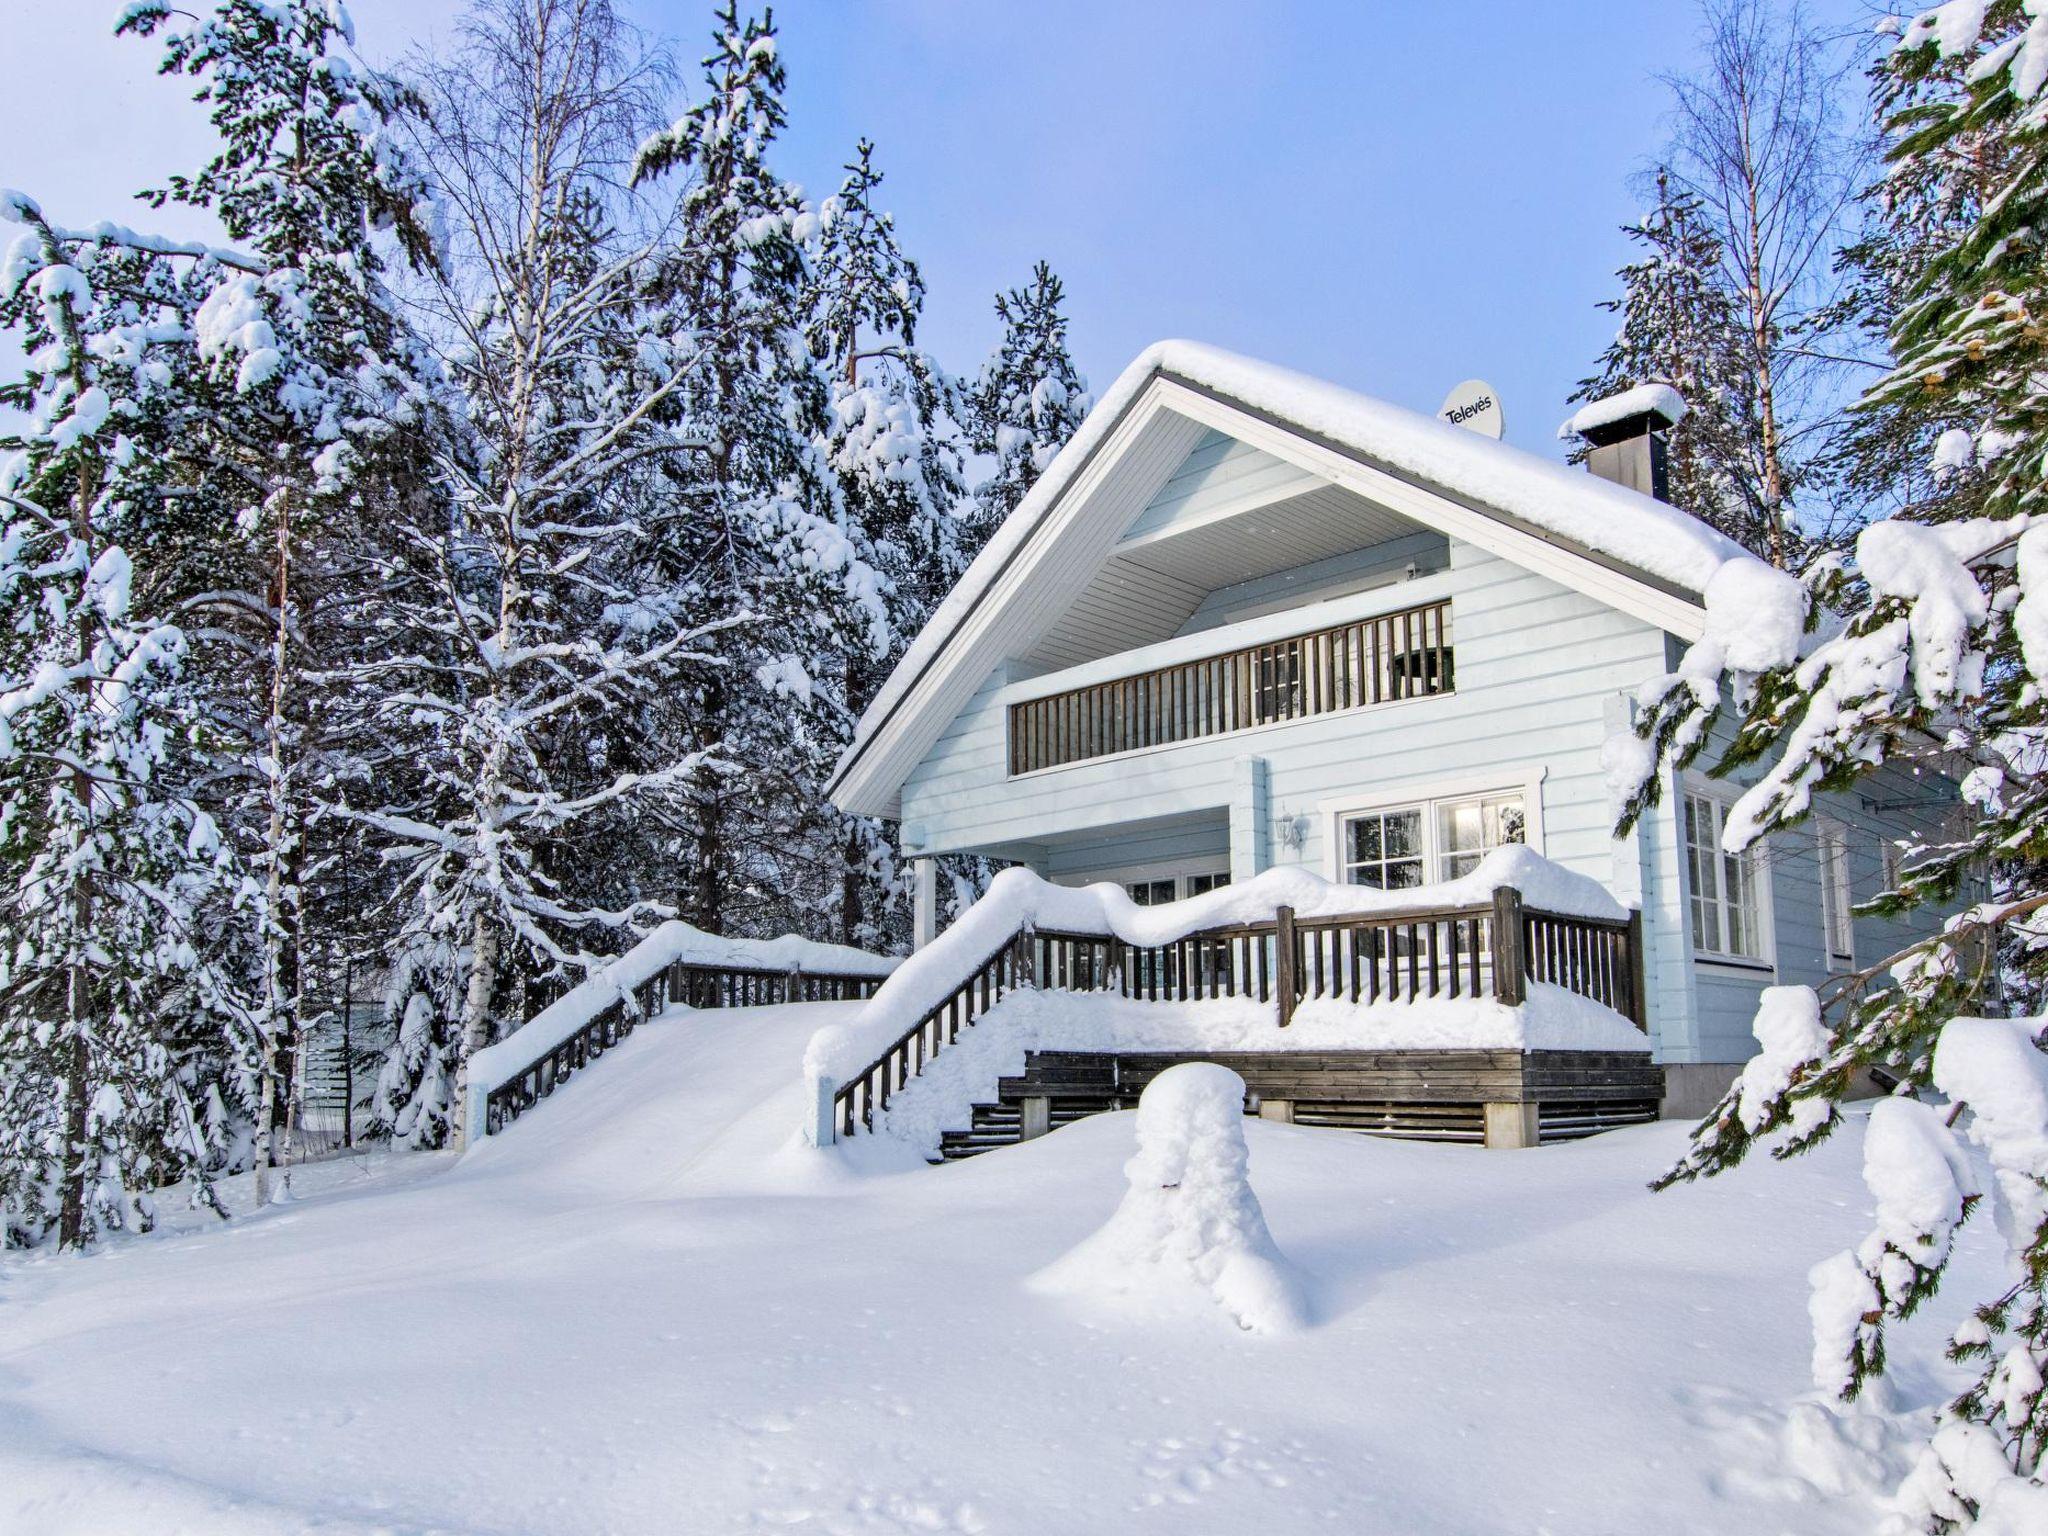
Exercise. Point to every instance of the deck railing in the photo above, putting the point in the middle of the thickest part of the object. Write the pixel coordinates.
(1383, 957)
(1368, 661)
(681, 984)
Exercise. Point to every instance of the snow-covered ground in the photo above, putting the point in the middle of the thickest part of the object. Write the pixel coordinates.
(646, 1307)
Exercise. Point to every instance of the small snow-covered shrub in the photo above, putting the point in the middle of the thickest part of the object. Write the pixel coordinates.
(1189, 1227)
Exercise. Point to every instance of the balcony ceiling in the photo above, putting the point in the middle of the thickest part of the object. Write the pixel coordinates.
(1151, 584)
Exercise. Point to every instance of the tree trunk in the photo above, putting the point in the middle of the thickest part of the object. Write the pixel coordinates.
(77, 1171)
(850, 881)
(277, 1023)
(476, 1014)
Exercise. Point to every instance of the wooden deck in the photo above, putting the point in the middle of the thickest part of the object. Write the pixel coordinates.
(1415, 1095)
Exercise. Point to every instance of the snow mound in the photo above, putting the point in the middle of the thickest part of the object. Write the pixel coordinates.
(1189, 1234)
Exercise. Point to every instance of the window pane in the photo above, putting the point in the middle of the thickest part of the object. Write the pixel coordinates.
(1461, 826)
(1403, 834)
(1365, 838)
(1404, 874)
(1509, 822)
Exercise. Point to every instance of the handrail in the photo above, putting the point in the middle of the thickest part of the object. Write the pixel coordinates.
(1389, 656)
(1365, 958)
(682, 983)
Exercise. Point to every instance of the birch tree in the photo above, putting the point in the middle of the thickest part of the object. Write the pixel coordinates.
(1759, 148)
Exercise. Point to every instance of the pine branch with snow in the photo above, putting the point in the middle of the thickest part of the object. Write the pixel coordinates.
(1927, 648)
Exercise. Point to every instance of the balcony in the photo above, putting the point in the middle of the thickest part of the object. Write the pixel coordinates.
(1368, 661)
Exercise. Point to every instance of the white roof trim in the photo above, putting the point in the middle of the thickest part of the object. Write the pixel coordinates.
(1528, 510)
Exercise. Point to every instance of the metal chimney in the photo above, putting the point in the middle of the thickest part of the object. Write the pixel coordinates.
(1625, 436)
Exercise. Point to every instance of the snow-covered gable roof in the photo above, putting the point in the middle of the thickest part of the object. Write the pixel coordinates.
(1639, 554)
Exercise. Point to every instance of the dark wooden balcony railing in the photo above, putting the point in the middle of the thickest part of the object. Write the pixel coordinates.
(1368, 661)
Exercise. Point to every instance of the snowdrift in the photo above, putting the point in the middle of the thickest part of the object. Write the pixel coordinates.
(1189, 1229)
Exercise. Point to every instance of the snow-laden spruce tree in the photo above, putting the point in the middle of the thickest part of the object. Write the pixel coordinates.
(319, 399)
(1029, 400)
(518, 612)
(1680, 327)
(755, 524)
(891, 442)
(1930, 646)
(127, 1053)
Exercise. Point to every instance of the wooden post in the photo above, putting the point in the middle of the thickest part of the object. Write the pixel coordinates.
(1511, 1125)
(1510, 958)
(1026, 944)
(1283, 963)
(1037, 1116)
(1638, 984)
(793, 985)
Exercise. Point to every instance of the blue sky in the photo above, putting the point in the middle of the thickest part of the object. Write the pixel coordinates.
(1393, 196)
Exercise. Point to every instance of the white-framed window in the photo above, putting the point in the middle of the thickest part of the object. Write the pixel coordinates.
(1407, 843)
(1386, 848)
(1152, 893)
(1730, 908)
(1837, 893)
(1469, 829)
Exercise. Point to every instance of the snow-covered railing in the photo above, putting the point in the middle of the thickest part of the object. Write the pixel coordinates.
(1283, 938)
(675, 966)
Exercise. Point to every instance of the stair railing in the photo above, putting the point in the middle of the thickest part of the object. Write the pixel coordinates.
(680, 984)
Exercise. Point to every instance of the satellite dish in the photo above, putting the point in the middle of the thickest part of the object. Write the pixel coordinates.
(1474, 406)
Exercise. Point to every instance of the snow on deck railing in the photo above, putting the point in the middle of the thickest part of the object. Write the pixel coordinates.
(675, 965)
(1280, 937)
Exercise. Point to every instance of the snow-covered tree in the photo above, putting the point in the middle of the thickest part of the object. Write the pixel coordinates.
(1029, 399)
(1914, 448)
(757, 523)
(521, 614)
(1929, 649)
(1679, 326)
(1759, 149)
(125, 1049)
(319, 394)
(891, 443)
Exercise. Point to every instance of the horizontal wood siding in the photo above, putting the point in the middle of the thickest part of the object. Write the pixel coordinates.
(1883, 810)
(1536, 666)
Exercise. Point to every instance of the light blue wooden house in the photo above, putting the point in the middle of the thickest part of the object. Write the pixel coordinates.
(1249, 619)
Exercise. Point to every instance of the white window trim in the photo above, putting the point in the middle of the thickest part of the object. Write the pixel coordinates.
(1527, 781)
(1828, 828)
(1725, 795)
